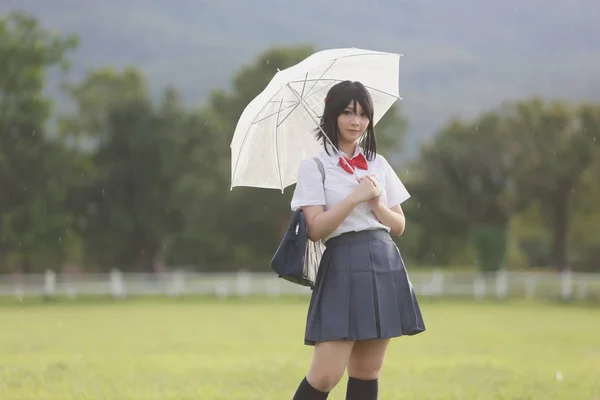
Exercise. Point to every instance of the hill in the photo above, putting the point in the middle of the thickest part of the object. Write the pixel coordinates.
(460, 57)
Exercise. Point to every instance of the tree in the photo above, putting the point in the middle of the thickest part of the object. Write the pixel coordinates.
(463, 191)
(35, 169)
(130, 204)
(553, 147)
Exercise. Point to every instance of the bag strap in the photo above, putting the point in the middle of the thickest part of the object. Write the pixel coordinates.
(321, 169)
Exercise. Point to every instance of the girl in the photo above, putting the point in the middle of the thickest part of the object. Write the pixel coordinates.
(362, 296)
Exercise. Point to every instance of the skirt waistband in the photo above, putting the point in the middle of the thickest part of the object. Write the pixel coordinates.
(355, 237)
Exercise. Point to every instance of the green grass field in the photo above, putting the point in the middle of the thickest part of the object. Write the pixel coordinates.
(235, 349)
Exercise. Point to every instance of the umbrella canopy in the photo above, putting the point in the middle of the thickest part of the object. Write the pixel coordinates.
(277, 128)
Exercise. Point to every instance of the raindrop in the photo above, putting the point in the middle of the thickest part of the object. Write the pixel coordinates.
(33, 133)
(102, 191)
(476, 128)
(418, 206)
(594, 139)
(585, 129)
(60, 238)
(433, 255)
(554, 153)
(205, 122)
(267, 61)
(25, 188)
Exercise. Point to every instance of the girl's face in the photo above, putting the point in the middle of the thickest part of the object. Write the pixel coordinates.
(352, 123)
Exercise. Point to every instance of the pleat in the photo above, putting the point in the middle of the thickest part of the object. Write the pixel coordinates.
(363, 291)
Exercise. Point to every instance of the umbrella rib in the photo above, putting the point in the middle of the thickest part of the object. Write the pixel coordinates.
(275, 113)
(309, 90)
(290, 113)
(304, 84)
(237, 160)
(293, 106)
(316, 80)
(277, 147)
(296, 106)
(264, 106)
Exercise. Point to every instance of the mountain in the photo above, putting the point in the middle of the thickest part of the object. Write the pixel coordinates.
(460, 57)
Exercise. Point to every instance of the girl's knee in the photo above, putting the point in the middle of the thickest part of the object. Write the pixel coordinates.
(324, 381)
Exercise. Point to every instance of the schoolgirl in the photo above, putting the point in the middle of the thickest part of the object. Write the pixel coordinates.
(363, 296)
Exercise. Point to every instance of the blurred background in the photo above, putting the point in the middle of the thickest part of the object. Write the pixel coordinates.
(116, 123)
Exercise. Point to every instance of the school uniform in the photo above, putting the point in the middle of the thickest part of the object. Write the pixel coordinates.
(362, 290)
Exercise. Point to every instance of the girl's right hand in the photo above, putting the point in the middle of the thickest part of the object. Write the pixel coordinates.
(365, 191)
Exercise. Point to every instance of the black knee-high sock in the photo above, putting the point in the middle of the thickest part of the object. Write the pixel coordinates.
(359, 389)
(306, 392)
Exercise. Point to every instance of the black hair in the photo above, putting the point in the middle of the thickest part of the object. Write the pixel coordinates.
(338, 98)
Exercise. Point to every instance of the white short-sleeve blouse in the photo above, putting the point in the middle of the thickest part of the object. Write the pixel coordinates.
(310, 190)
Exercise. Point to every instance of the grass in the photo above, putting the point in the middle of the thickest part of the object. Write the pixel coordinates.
(234, 349)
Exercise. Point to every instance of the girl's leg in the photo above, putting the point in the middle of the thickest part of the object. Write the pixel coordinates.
(326, 369)
(364, 367)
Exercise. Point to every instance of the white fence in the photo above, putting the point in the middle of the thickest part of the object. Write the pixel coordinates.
(549, 285)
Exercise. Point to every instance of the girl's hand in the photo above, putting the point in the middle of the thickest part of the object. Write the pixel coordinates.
(375, 202)
(365, 191)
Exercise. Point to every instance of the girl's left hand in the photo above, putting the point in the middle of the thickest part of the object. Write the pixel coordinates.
(375, 202)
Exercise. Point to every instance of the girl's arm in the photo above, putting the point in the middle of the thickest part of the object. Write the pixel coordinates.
(321, 223)
(392, 217)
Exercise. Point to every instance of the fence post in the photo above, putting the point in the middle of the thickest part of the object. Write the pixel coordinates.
(566, 284)
(49, 284)
(501, 284)
(117, 288)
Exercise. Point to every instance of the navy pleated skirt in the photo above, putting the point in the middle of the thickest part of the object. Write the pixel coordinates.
(362, 291)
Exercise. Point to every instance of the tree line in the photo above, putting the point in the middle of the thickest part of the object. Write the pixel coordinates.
(128, 181)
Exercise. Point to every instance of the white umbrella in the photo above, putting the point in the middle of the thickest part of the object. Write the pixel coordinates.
(277, 128)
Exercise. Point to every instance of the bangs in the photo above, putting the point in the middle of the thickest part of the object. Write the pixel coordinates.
(350, 93)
